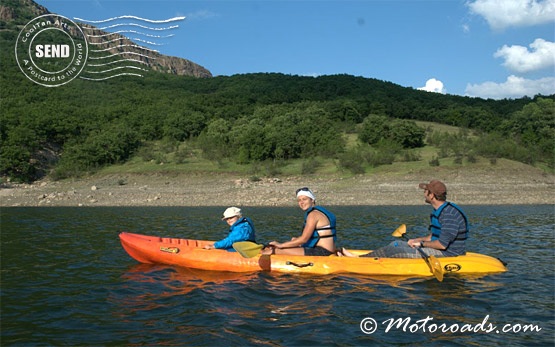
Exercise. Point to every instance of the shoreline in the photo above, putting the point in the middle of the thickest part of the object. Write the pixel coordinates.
(465, 187)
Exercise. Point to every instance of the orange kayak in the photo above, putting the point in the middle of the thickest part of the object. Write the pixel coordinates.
(191, 254)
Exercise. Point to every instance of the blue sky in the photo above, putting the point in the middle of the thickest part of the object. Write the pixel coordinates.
(485, 48)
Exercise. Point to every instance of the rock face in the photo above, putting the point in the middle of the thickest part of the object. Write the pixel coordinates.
(7, 13)
(154, 60)
(25, 7)
(21, 11)
(178, 66)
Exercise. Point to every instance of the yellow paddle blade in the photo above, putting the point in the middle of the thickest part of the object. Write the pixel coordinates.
(433, 263)
(248, 249)
(400, 231)
(436, 267)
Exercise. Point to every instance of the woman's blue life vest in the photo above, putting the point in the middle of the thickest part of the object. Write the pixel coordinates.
(311, 243)
(435, 225)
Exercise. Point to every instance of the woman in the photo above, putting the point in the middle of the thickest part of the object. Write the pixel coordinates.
(318, 236)
(240, 229)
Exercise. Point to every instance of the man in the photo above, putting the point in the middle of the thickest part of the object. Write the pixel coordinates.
(448, 223)
(448, 229)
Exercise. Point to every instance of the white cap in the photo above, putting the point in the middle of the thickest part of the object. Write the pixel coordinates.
(231, 212)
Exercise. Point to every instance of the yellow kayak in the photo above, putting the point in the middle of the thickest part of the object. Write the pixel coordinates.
(191, 254)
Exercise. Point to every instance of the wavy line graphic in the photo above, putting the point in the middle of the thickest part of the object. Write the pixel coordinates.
(114, 40)
(121, 53)
(118, 68)
(135, 25)
(123, 38)
(147, 42)
(131, 32)
(121, 46)
(105, 78)
(119, 61)
(106, 42)
(132, 17)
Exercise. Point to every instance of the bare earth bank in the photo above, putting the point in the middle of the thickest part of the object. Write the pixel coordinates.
(468, 186)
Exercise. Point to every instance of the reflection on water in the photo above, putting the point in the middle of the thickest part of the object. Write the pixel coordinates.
(65, 278)
(180, 281)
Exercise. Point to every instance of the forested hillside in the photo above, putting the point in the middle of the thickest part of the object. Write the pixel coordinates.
(79, 127)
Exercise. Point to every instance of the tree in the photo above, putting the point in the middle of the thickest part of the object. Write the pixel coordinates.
(113, 144)
(406, 133)
(214, 139)
(183, 125)
(534, 128)
(17, 150)
(249, 140)
(373, 129)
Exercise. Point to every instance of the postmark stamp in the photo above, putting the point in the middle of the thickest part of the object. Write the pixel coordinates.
(51, 50)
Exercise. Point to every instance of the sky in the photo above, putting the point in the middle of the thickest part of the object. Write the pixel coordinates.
(480, 48)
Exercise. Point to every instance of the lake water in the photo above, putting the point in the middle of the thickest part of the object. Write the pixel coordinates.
(66, 281)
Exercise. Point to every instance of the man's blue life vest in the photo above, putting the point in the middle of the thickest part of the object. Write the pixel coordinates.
(435, 225)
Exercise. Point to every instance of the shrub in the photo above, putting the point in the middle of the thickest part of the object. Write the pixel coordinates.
(410, 155)
(434, 161)
(147, 152)
(181, 155)
(352, 161)
(310, 166)
(255, 178)
(380, 157)
(273, 167)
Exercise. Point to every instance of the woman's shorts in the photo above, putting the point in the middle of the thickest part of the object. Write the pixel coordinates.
(317, 251)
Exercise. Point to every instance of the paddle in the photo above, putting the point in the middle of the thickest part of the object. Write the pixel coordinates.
(433, 263)
(248, 249)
